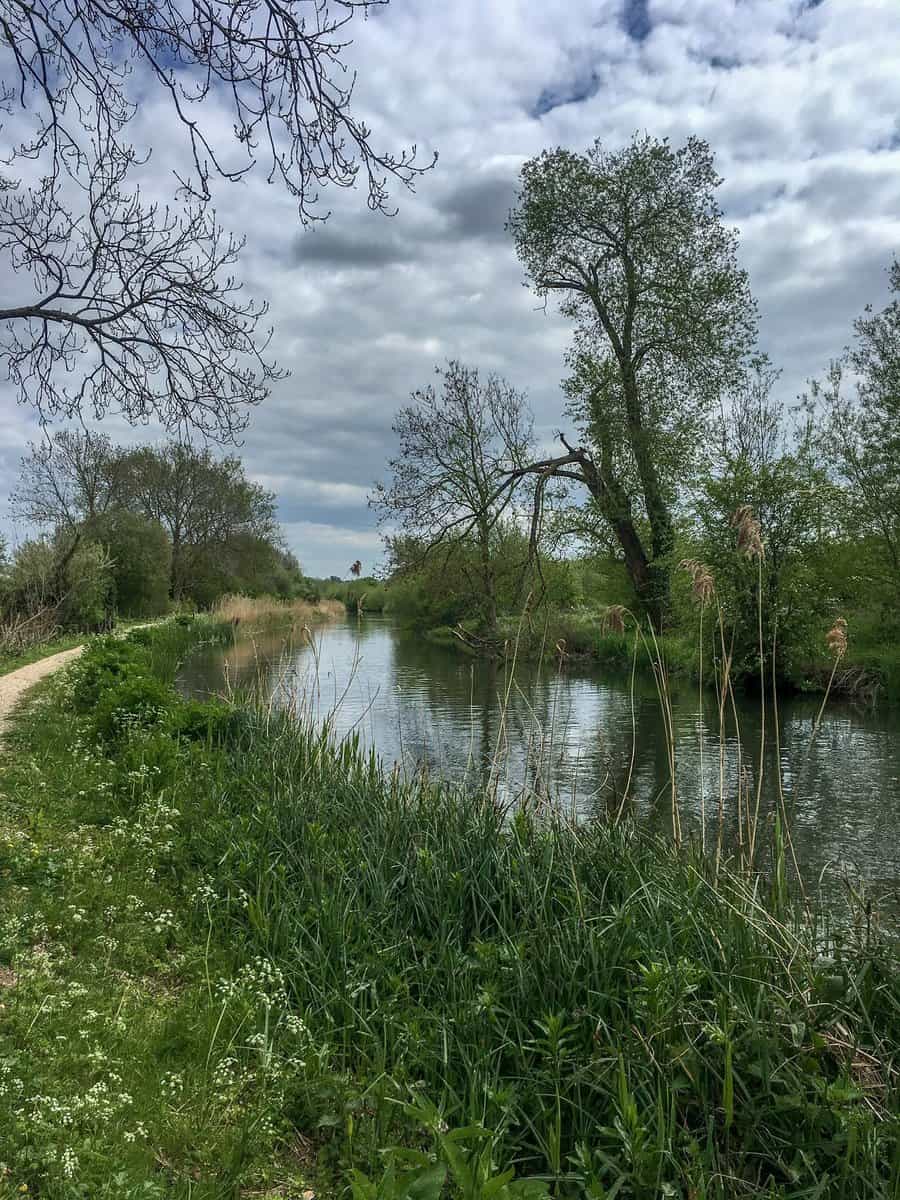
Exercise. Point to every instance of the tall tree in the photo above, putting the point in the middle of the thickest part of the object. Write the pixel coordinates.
(123, 304)
(457, 446)
(859, 438)
(633, 241)
(204, 503)
(75, 476)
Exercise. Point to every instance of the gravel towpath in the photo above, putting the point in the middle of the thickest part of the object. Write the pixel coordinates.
(14, 685)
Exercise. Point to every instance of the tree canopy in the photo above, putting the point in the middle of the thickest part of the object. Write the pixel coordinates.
(174, 520)
(633, 241)
(860, 435)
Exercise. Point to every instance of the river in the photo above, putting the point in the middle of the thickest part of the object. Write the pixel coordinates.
(583, 739)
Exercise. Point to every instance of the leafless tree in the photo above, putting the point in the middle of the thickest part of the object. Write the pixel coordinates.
(752, 423)
(120, 303)
(457, 449)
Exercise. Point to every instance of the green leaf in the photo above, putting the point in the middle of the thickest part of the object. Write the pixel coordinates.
(428, 1184)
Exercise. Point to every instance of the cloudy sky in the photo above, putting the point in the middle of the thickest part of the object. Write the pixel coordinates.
(799, 99)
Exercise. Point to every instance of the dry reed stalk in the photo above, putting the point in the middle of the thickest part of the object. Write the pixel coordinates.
(727, 694)
(762, 710)
(493, 777)
(661, 678)
(613, 621)
(750, 545)
(723, 696)
(241, 609)
(627, 788)
(784, 816)
(836, 641)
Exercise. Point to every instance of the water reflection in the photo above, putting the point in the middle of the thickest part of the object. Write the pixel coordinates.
(584, 739)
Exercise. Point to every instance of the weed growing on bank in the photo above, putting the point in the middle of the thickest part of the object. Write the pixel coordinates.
(236, 959)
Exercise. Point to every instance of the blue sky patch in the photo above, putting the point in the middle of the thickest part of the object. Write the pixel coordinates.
(572, 92)
(636, 19)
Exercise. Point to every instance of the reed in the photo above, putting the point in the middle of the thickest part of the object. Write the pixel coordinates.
(262, 610)
(576, 991)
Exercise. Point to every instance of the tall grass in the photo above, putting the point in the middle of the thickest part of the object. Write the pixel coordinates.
(472, 992)
(261, 610)
(615, 1016)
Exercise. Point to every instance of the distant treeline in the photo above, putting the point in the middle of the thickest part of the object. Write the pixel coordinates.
(133, 531)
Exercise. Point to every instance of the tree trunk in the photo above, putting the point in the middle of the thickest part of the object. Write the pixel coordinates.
(616, 508)
(177, 573)
(644, 574)
(489, 592)
(662, 532)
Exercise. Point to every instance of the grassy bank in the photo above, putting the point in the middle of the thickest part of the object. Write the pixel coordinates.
(237, 960)
(869, 672)
(18, 657)
(13, 657)
(365, 595)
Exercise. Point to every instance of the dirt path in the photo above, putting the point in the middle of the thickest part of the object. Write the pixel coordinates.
(14, 685)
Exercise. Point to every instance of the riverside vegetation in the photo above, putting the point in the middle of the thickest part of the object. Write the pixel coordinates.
(670, 422)
(129, 532)
(238, 959)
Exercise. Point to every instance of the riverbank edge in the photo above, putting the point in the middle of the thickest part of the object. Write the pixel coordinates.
(146, 1004)
(114, 977)
(867, 676)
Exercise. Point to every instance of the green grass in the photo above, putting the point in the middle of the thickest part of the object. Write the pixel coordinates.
(582, 636)
(12, 662)
(241, 961)
(66, 641)
(373, 593)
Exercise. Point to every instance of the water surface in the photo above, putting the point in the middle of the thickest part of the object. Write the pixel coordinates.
(581, 738)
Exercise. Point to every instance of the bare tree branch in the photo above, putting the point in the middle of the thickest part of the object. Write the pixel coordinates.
(134, 307)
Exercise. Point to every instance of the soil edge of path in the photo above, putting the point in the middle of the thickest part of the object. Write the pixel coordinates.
(14, 685)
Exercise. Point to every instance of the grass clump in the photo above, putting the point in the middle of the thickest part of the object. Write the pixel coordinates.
(239, 959)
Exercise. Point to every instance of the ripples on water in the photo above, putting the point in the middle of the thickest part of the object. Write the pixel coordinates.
(579, 736)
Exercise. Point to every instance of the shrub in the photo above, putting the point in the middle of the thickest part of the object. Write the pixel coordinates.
(89, 601)
(141, 637)
(102, 666)
(140, 558)
(76, 584)
(134, 700)
(208, 721)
